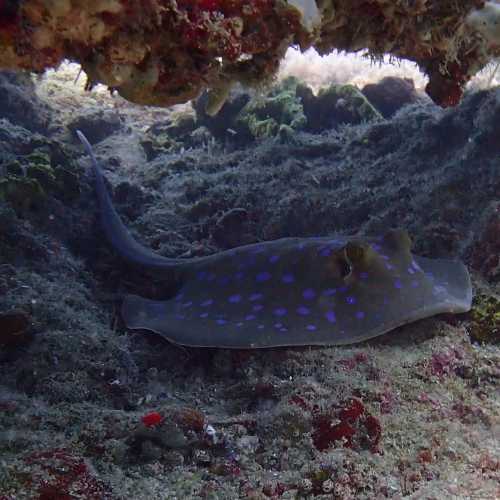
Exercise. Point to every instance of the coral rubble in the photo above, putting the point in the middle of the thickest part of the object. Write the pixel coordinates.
(163, 52)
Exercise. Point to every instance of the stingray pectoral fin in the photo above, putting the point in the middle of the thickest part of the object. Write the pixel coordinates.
(451, 283)
(157, 316)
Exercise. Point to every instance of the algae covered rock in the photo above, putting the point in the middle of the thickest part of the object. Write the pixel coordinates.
(22, 193)
(162, 138)
(221, 124)
(30, 179)
(244, 118)
(157, 144)
(485, 318)
(262, 117)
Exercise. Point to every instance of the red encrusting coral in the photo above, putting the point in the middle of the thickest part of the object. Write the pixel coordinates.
(58, 474)
(152, 419)
(350, 425)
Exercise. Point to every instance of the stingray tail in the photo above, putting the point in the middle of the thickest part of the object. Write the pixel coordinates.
(116, 232)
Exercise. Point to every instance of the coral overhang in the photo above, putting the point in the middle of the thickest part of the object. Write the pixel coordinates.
(163, 52)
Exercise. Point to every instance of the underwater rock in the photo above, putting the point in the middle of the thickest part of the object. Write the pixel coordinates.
(31, 178)
(22, 193)
(98, 124)
(485, 319)
(150, 441)
(262, 117)
(164, 53)
(390, 94)
(485, 253)
(19, 102)
(223, 122)
(244, 118)
(335, 105)
(158, 144)
(15, 328)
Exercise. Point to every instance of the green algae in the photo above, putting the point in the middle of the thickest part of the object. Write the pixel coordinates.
(485, 319)
(262, 117)
(31, 179)
(22, 193)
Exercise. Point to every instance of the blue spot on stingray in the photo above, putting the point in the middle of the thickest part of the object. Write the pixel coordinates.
(303, 311)
(311, 328)
(325, 252)
(179, 297)
(239, 323)
(221, 321)
(385, 257)
(330, 316)
(257, 307)
(308, 294)
(398, 284)
(263, 276)
(411, 270)
(223, 281)
(255, 296)
(343, 289)
(207, 303)
(187, 304)
(180, 316)
(260, 327)
(287, 278)
(280, 311)
(234, 299)
(389, 267)
(201, 275)
(350, 299)
(273, 259)
(360, 314)
(376, 247)
(250, 317)
(278, 325)
(328, 292)
(204, 315)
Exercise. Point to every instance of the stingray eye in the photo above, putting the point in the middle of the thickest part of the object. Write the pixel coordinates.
(354, 256)
(354, 253)
(344, 267)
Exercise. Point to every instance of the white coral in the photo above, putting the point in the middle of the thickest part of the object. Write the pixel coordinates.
(310, 13)
(486, 21)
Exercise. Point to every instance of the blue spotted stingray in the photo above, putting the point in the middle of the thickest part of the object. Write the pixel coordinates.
(288, 292)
